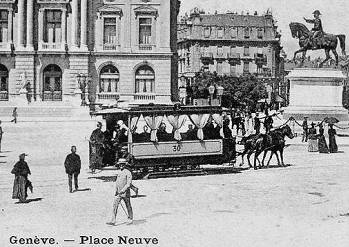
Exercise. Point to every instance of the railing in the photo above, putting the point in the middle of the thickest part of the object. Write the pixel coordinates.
(206, 55)
(53, 1)
(52, 96)
(110, 47)
(4, 96)
(144, 97)
(220, 56)
(7, 1)
(108, 96)
(52, 46)
(145, 47)
(260, 58)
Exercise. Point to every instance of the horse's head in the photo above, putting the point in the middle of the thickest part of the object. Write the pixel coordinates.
(299, 30)
(286, 131)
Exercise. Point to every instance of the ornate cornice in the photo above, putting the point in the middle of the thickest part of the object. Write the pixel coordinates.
(146, 10)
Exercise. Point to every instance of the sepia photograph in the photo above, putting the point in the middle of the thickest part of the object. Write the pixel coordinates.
(174, 123)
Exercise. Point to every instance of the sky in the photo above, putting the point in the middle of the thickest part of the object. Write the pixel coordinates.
(335, 15)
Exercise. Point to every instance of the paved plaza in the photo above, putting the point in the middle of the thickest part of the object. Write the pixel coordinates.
(304, 204)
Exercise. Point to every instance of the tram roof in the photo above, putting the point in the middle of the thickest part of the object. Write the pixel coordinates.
(159, 109)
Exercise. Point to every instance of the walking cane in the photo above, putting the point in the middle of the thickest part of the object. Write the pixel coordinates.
(122, 206)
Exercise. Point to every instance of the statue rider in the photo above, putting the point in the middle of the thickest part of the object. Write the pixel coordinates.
(317, 30)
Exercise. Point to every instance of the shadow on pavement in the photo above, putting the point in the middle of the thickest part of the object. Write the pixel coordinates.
(138, 222)
(139, 196)
(105, 178)
(87, 189)
(157, 215)
(276, 166)
(30, 200)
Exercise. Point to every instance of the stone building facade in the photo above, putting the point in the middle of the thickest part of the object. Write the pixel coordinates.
(229, 44)
(119, 49)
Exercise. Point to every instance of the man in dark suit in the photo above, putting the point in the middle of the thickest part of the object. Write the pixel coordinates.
(72, 168)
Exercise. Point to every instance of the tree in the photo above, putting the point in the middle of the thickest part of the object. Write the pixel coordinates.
(239, 92)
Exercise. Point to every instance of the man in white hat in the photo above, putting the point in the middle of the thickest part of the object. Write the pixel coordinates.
(122, 191)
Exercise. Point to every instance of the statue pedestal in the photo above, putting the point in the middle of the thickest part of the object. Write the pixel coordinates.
(316, 93)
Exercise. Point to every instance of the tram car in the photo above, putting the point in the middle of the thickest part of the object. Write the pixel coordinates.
(159, 137)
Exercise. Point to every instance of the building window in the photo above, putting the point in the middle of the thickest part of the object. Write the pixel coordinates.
(219, 68)
(260, 33)
(145, 80)
(220, 51)
(3, 83)
(234, 32)
(52, 83)
(207, 32)
(220, 33)
(246, 51)
(53, 26)
(145, 27)
(247, 33)
(110, 31)
(109, 79)
(3, 25)
(233, 70)
(246, 67)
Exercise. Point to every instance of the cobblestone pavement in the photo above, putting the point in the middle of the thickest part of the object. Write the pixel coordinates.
(304, 204)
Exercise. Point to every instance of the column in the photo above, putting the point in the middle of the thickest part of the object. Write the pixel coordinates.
(64, 28)
(74, 24)
(10, 27)
(83, 36)
(20, 24)
(41, 28)
(30, 18)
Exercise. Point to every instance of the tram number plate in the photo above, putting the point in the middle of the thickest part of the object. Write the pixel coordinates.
(176, 148)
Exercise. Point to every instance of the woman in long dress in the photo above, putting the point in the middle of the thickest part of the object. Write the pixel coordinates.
(332, 139)
(323, 148)
(312, 139)
(21, 183)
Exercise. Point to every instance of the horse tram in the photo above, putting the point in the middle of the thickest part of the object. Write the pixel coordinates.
(167, 140)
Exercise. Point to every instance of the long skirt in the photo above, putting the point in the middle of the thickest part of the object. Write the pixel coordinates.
(333, 144)
(313, 145)
(322, 145)
(96, 156)
(20, 188)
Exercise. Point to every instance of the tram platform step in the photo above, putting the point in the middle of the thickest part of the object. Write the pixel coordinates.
(180, 173)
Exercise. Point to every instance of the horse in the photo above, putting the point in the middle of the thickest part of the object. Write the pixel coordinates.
(274, 142)
(249, 143)
(328, 42)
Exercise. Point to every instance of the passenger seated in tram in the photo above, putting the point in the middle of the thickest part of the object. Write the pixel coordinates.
(143, 137)
(162, 134)
(191, 133)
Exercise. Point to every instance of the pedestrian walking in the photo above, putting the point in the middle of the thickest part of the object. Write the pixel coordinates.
(96, 148)
(72, 166)
(312, 139)
(257, 124)
(305, 130)
(332, 139)
(1, 133)
(268, 123)
(21, 183)
(14, 115)
(122, 191)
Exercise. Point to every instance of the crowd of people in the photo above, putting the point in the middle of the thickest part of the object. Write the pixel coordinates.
(315, 136)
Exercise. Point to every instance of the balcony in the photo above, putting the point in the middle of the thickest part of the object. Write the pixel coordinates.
(144, 97)
(3, 94)
(234, 58)
(52, 1)
(110, 47)
(52, 96)
(145, 47)
(206, 57)
(108, 96)
(51, 46)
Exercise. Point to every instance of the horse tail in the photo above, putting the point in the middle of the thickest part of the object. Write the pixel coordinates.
(341, 38)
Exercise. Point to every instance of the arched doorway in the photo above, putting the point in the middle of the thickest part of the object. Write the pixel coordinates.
(145, 80)
(52, 83)
(3, 83)
(109, 79)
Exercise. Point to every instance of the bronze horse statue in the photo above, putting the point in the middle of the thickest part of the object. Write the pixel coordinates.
(274, 142)
(328, 42)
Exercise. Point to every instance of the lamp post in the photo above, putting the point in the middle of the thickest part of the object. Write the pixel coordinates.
(220, 91)
(81, 78)
(211, 90)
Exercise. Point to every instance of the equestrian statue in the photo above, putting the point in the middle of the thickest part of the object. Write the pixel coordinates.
(316, 39)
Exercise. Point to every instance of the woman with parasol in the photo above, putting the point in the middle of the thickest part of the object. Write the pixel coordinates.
(332, 134)
(312, 139)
